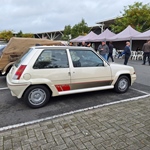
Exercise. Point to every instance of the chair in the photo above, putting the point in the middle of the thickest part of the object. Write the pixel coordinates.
(133, 55)
(140, 55)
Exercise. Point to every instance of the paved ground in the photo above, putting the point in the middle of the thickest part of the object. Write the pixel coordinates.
(14, 111)
(142, 71)
(122, 126)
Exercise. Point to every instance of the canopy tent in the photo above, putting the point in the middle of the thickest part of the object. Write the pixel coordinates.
(89, 37)
(86, 38)
(76, 39)
(143, 36)
(103, 36)
(127, 34)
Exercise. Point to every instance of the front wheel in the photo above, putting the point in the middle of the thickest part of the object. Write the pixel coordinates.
(37, 96)
(122, 84)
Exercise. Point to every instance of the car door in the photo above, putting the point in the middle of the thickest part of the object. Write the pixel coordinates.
(88, 70)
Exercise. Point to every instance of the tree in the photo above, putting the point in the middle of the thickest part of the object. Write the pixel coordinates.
(78, 29)
(6, 35)
(136, 15)
(67, 33)
(19, 34)
(27, 35)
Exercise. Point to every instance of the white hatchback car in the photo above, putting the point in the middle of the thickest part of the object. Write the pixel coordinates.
(46, 71)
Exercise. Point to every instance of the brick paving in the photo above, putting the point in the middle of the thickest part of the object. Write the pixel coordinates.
(123, 126)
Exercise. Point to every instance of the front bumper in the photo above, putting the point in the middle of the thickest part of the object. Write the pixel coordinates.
(133, 78)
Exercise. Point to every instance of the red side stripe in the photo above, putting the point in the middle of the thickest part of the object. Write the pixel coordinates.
(66, 87)
(58, 87)
(63, 87)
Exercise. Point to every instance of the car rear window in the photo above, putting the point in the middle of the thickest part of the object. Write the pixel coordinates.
(18, 62)
(52, 59)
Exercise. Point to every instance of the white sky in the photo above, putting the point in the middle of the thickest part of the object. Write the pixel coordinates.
(35, 16)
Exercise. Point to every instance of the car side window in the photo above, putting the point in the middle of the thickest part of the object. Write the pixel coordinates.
(52, 59)
(85, 58)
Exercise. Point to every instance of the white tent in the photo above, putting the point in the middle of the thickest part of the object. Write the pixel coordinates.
(127, 34)
(86, 38)
(76, 39)
(143, 36)
(103, 36)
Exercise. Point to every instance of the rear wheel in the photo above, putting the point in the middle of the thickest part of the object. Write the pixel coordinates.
(37, 96)
(122, 84)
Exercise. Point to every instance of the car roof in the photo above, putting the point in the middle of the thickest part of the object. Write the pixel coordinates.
(61, 47)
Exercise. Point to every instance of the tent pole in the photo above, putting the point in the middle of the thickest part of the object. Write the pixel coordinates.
(131, 44)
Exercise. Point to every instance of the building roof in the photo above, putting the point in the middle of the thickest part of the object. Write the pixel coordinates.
(96, 29)
(50, 32)
(106, 22)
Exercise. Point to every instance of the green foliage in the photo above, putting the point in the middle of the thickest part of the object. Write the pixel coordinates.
(73, 32)
(67, 33)
(80, 29)
(19, 34)
(6, 35)
(25, 35)
(28, 35)
(136, 15)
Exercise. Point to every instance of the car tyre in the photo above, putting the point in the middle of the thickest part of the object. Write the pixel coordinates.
(37, 96)
(122, 84)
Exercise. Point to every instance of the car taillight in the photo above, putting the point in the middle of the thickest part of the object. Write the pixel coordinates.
(19, 72)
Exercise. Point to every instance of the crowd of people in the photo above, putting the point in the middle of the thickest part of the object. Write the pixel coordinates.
(84, 44)
(106, 51)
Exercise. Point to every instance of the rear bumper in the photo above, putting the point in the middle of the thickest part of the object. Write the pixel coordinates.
(17, 89)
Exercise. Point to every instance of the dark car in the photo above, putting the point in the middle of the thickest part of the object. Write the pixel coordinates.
(2, 48)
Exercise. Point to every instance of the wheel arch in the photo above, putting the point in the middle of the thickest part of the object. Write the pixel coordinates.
(117, 76)
(122, 84)
(127, 75)
(38, 85)
(7, 68)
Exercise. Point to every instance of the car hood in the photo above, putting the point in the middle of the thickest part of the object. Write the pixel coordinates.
(112, 64)
(117, 67)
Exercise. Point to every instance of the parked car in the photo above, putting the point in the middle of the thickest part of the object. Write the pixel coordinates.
(46, 71)
(1, 49)
(16, 47)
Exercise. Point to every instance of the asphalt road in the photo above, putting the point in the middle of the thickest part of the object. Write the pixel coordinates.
(14, 111)
(142, 71)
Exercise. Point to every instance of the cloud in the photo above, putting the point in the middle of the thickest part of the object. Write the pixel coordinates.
(52, 15)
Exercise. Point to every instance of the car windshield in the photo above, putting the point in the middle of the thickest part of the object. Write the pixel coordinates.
(2, 48)
(17, 63)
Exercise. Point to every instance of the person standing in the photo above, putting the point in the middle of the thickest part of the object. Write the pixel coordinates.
(70, 44)
(127, 53)
(146, 50)
(110, 51)
(83, 44)
(89, 45)
(103, 50)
